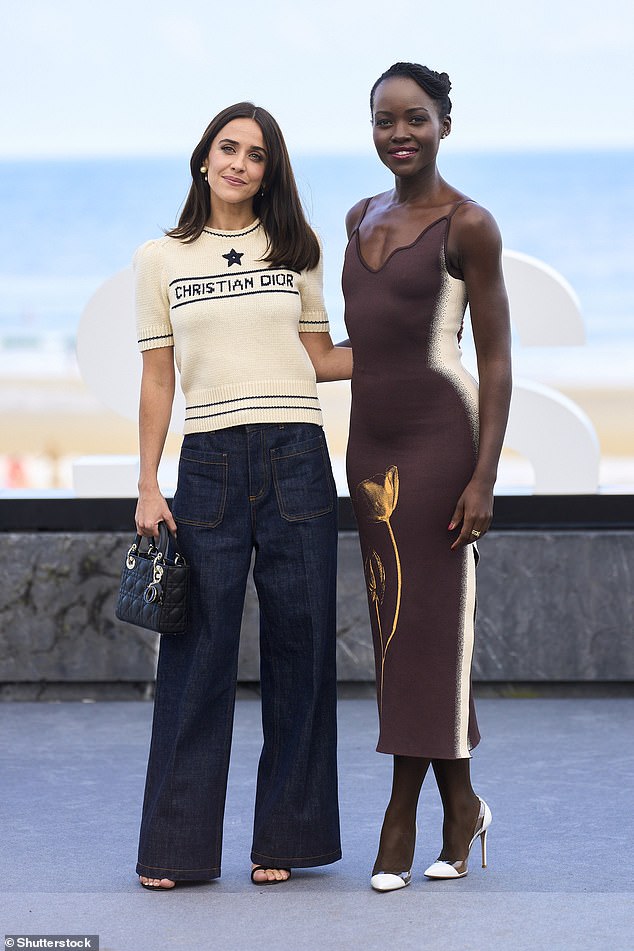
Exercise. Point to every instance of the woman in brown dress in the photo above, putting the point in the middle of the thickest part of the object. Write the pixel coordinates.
(422, 456)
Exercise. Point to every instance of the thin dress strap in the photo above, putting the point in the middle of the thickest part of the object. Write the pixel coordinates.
(463, 201)
(358, 224)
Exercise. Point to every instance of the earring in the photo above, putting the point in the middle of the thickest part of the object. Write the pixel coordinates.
(262, 192)
(203, 171)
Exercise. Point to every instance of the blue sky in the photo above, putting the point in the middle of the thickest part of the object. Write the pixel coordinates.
(132, 77)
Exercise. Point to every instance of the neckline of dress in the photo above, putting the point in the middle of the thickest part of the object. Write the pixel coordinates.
(402, 247)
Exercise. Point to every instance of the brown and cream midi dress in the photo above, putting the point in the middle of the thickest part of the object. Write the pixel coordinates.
(411, 452)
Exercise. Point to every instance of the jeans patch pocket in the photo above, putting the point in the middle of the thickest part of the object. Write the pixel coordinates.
(303, 480)
(201, 492)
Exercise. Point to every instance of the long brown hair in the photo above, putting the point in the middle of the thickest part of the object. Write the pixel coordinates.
(291, 241)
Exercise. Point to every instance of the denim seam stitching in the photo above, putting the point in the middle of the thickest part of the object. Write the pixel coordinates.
(177, 868)
(278, 492)
(260, 494)
(223, 499)
(301, 858)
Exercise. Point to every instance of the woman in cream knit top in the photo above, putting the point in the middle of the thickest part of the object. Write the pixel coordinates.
(233, 322)
(233, 296)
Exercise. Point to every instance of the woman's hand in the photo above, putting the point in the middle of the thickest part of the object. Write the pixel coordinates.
(473, 513)
(150, 510)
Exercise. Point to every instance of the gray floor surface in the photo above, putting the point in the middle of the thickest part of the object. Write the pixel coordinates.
(558, 775)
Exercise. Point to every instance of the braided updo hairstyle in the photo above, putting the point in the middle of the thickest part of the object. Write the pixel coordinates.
(436, 85)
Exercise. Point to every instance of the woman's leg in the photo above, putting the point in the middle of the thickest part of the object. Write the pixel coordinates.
(183, 809)
(398, 833)
(460, 806)
(296, 813)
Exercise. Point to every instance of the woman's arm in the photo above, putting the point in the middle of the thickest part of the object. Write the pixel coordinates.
(155, 410)
(330, 362)
(476, 248)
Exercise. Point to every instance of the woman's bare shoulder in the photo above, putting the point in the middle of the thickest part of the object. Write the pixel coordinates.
(473, 216)
(354, 215)
(473, 226)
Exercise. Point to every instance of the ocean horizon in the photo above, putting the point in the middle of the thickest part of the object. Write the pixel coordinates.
(70, 224)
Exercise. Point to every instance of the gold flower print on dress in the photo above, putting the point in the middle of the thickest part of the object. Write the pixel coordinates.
(375, 579)
(379, 496)
(375, 574)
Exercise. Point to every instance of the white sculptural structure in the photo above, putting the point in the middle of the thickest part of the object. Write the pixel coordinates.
(545, 427)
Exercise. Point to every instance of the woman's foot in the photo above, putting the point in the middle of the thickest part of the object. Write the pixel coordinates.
(457, 868)
(393, 866)
(267, 876)
(396, 846)
(157, 883)
(458, 829)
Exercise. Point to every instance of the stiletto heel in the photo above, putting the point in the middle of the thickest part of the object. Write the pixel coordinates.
(390, 881)
(443, 869)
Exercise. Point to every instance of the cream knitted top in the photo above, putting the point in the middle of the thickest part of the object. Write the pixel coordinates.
(234, 324)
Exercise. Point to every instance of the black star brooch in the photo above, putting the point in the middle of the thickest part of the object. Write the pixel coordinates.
(233, 257)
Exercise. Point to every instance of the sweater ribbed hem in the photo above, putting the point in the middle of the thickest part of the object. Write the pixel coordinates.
(156, 335)
(257, 401)
(245, 417)
(314, 322)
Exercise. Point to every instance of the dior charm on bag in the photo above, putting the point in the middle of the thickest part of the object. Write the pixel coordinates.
(154, 589)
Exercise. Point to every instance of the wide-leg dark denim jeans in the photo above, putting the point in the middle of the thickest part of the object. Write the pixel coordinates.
(266, 488)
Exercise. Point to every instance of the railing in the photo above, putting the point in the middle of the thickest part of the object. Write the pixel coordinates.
(512, 513)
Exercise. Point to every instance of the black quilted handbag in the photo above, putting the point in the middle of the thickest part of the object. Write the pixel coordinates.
(154, 587)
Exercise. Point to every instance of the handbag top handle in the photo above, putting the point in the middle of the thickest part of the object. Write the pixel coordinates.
(160, 545)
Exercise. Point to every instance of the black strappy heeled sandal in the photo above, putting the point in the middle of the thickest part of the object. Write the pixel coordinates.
(158, 888)
(269, 881)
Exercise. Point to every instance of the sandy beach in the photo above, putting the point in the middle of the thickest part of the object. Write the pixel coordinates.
(46, 423)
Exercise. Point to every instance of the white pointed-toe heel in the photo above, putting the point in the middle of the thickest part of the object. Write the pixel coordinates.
(442, 869)
(390, 881)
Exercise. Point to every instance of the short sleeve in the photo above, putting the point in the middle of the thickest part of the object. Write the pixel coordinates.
(314, 318)
(153, 324)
